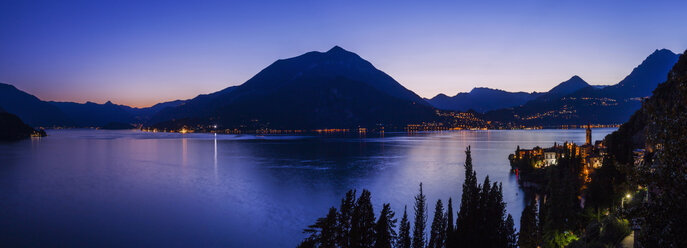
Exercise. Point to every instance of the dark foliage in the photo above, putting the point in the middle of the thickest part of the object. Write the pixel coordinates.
(450, 228)
(385, 230)
(344, 223)
(529, 230)
(666, 174)
(363, 222)
(420, 220)
(404, 239)
(323, 232)
(482, 219)
(437, 234)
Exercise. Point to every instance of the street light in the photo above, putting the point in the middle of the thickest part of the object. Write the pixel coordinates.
(628, 196)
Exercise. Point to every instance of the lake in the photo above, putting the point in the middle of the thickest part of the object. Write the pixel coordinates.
(100, 188)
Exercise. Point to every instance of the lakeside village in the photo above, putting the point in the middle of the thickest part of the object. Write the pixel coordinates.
(451, 121)
(525, 162)
(579, 194)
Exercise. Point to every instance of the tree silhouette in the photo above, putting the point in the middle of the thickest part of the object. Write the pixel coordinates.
(385, 230)
(437, 234)
(420, 220)
(528, 236)
(344, 219)
(404, 240)
(509, 233)
(323, 232)
(363, 222)
(449, 225)
(466, 221)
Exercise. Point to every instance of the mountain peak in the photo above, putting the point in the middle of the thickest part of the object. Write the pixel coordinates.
(569, 86)
(575, 78)
(336, 49)
(338, 52)
(663, 51)
(646, 76)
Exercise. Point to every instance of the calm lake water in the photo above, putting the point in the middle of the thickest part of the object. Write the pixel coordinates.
(99, 188)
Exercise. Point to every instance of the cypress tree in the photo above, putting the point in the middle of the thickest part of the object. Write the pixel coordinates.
(449, 225)
(385, 232)
(344, 219)
(509, 232)
(437, 235)
(466, 221)
(420, 220)
(497, 212)
(528, 227)
(404, 231)
(363, 222)
(484, 225)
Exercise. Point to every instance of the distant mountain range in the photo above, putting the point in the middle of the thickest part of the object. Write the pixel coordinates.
(482, 100)
(31, 109)
(485, 99)
(36, 112)
(339, 89)
(578, 103)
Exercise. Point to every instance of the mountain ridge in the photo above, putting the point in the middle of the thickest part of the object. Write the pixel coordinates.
(612, 104)
(481, 99)
(319, 79)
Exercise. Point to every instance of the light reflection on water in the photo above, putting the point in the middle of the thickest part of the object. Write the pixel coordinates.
(129, 188)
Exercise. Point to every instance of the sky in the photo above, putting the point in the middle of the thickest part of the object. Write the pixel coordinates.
(140, 53)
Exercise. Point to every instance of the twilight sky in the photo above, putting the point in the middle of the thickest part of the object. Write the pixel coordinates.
(142, 53)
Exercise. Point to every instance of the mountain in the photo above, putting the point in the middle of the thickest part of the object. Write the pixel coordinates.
(641, 81)
(486, 99)
(31, 109)
(482, 100)
(37, 112)
(12, 128)
(199, 106)
(573, 103)
(91, 114)
(333, 89)
(570, 86)
(163, 105)
(644, 78)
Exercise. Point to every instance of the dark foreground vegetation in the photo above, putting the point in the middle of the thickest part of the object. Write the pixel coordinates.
(481, 222)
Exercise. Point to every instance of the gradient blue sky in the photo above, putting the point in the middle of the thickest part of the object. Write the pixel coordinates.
(142, 53)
